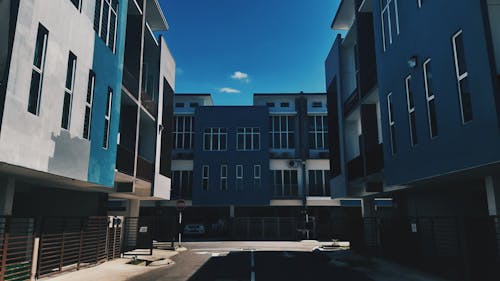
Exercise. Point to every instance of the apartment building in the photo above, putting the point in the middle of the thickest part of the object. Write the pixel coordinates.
(265, 160)
(64, 103)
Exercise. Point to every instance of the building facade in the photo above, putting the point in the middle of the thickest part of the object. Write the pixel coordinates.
(62, 98)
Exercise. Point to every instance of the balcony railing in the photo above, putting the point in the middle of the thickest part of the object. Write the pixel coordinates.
(130, 82)
(351, 102)
(144, 169)
(125, 160)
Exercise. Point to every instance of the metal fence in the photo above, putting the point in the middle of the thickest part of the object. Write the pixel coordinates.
(16, 248)
(457, 248)
(265, 228)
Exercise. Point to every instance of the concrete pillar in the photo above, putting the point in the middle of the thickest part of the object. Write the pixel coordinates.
(7, 190)
(134, 206)
(492, 184)
(231, 211)
(367, 207)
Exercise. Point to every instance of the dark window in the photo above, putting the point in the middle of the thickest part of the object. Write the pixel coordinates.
(319, 183)
(77, 3)
(182, 185)
(430, 98)
(282, 132)
(183, 132)
(285, 104)
(317, 104)
(179, 104)
(248, 139)
(107, 118)
(88, 105)
(193, 104)
(464, 91)
(215, 139)
(105, 21)
(392, 123)
(205, 177)
(38, 69)
(411, 112)
(270, 104)
(68, 91)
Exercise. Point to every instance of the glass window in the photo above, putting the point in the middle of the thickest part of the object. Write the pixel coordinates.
(68, 91)
(430, 98)
(248, 139)
(105, 21)
(464, 92)
(223, 177)
(183, 132)
(205, 177)
(411, 112)
(282, 132)
(215, 139)
(392, 123)
(239, 178)
(319, 183)
(257, 177)
(107, 118)
(88, 105)
(390, 21)
(38, 70)
(318, 132)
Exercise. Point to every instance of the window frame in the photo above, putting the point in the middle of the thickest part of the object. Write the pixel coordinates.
(89, 100)
(187, 136)
(321, 129)
(39, 70)
(387, 9)
(392, 124)
(430, 97)
(252, 132)
(217, 132)
(110, 11)
(72, 58)
(107, 118)
(223, 177)
(287, 131)
(410, 106)
(205, 177)
(239, 177)
(460, 76)
(257, 176)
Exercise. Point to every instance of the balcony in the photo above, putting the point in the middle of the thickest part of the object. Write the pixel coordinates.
(144, 169)
(351, 102)
(370, 162)
(125, 160)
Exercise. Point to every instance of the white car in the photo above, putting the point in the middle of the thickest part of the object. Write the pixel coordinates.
(194, 228)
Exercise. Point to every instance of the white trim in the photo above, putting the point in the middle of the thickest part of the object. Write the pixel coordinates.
(392, 123)
(40, 70)
(88, 104)
(219, 132)
(205, 177)
(223, 177)
(107, 116)
(411, 109)
(254, 132)
(459, 76)
(429, 96)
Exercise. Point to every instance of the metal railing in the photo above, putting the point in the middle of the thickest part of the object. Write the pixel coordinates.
(16, 248)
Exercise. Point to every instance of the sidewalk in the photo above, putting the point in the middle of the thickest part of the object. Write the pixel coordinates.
(378, 269)
(119, 270)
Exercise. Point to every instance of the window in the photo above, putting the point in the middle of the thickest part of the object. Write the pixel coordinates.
(105, 21)
(88, 105)
(215, 139)
(239, 177)
(248, 139)
(223, 177)
(205, 177)
(193, 104)
(430, 98)
(317, 104)
(68, 91)
(419, 2)
(77, 4)
(285, 104)
(38, 69)
(392, 123)
(179, 104)
(257, 183)
(390, 21)
(270, 104)
(411, 112)
(282, 132)
(319, 183)
(182, 185)
(318, 132)
(464, 93)
(107, 118)
(183, 132)
(284, 183)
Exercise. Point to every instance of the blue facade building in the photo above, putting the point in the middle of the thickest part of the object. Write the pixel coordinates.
(230, 156)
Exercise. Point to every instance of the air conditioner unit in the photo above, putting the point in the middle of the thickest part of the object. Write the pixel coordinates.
(293, 163)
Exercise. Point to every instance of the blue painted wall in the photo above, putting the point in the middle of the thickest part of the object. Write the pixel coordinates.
(108, 68)
(427, 33)
(231, 118)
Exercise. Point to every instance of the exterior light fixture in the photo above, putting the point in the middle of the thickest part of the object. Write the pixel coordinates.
(413, 61)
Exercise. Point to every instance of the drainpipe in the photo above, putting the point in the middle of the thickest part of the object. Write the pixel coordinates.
(301, 106)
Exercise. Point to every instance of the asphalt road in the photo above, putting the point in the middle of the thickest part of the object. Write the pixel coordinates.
(250, 261)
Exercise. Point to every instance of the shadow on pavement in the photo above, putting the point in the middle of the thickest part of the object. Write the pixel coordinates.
(275, 266)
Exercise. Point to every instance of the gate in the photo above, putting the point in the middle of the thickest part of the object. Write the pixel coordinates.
(16, 248)
(138, 236)
(268, 228)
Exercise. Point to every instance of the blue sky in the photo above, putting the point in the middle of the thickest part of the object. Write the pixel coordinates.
(234, 48)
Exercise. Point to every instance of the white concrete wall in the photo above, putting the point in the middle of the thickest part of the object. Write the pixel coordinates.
(163, 184)
(38, 142)
(352, 132)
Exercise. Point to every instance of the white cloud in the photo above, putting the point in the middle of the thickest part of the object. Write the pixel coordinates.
(229, 90)
(238, 75)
